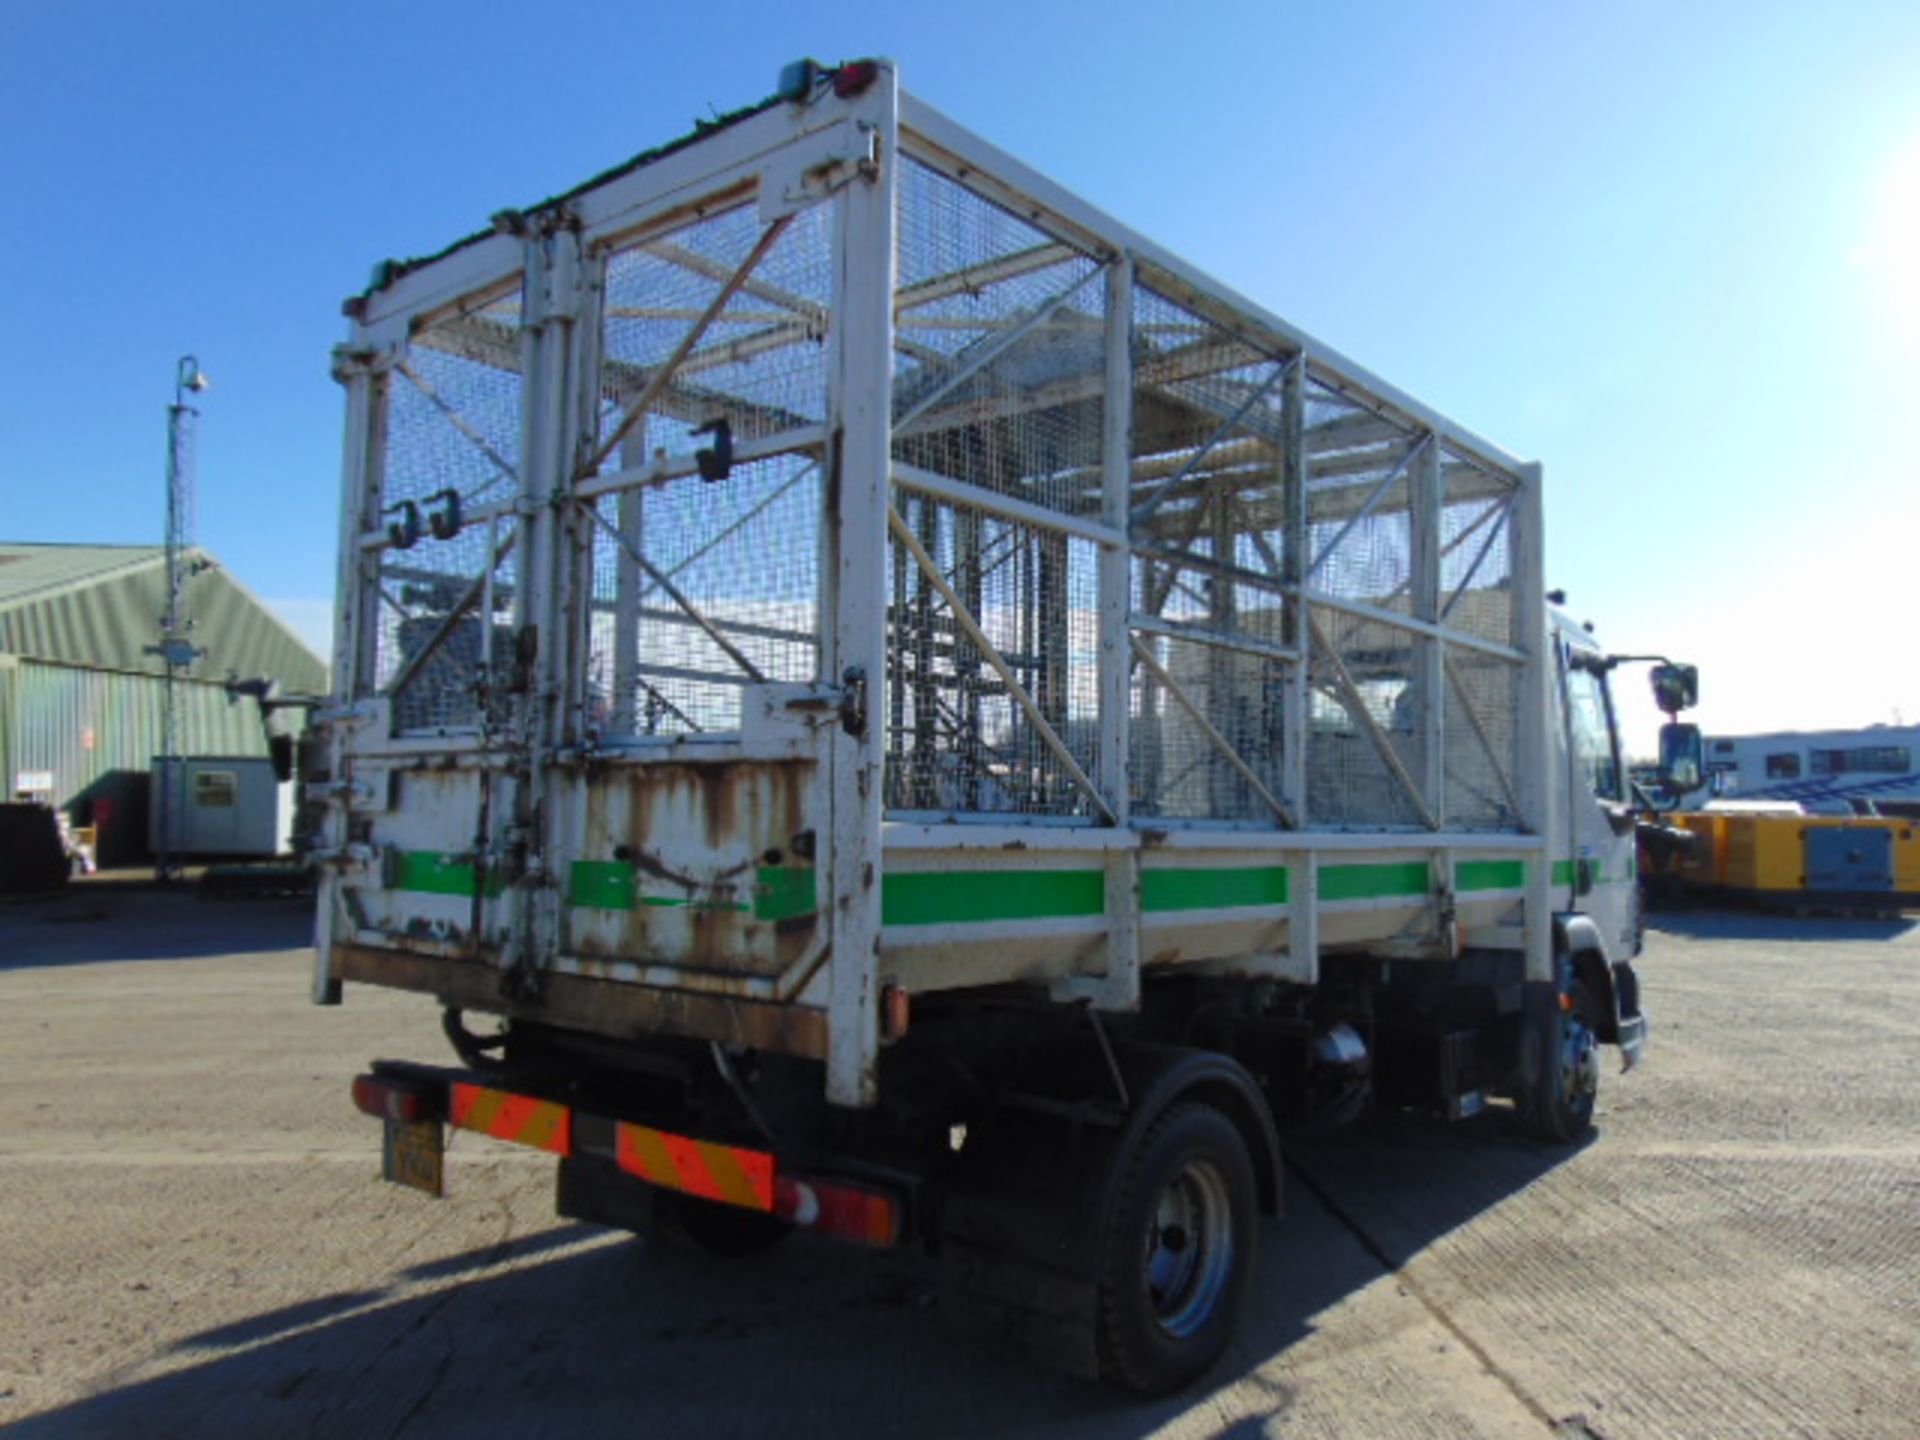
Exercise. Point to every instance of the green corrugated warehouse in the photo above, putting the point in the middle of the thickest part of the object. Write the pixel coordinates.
(80, 697)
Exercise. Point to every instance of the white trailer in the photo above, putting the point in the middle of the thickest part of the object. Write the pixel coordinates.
(1824, 772)
(926, 717)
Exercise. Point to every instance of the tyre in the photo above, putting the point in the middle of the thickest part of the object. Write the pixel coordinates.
(712, 1228)
(1557, 1105)
(1177, 1251)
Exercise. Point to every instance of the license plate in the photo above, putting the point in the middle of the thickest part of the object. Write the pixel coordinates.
(412, 1153)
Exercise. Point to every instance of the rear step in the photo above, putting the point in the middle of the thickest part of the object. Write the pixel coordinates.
(416, 1102)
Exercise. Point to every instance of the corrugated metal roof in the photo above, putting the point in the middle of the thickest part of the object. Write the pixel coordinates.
(99, 606)
(32, 572)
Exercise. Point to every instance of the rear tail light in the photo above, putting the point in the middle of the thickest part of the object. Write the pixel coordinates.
(849, 80)
(896, 1011)
(838, 1207)
(386, 1099)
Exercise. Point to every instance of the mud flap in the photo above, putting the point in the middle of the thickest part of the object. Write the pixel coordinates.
(1633, 1024)
(1014, 1236)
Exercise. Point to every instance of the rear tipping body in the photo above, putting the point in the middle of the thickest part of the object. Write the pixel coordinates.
(855, 656)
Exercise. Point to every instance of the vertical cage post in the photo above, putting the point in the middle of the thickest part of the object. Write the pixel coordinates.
(1294, 560)
(1537, 783)
(555, 575)
(532, 613)
(357, 588)
(1115, 571)
(1428, 677)
(854, 639)
(1120, 988)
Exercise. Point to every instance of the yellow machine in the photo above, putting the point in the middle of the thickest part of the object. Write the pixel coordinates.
(1855, 862)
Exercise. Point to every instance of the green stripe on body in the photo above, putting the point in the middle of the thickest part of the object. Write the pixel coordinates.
(1375, 882)
(434, 872)
(1162, 890)
(780, 892)
(937, 897)
(1490, 875)
(970, 896)
(1563, 872)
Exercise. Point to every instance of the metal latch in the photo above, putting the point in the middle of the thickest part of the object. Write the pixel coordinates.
(853, 701)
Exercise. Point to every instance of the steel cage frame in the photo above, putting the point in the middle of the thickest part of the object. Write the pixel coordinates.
(851, 152)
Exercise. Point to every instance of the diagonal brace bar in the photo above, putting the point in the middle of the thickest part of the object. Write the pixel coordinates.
(459, 422)
(1480, 734)
(1413, 453)
(664, 373)
(903, 532)
(733, 527)
(1356, 704)
(1486, 548)
(993, 352)
(1219, 741)
(468, 599)
(1496, 508)
(664, 581)
(1160, 492)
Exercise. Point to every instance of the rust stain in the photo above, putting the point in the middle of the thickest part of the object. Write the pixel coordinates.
(602, 1006)
(742, 812)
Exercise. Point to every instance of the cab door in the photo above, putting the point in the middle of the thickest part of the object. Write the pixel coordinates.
(1599, 871)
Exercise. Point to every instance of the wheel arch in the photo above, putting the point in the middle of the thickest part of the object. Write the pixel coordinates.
(1161, 1076)
(1026, 1216)
(1583, 955)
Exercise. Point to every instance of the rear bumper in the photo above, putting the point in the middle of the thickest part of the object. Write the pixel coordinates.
(416, 1099)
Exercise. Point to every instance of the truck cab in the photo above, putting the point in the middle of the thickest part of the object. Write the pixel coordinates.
(1596, 832)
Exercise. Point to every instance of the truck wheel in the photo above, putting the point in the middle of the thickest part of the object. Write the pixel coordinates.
(1558, 1104)
(712, 1228)
(1177, 1250)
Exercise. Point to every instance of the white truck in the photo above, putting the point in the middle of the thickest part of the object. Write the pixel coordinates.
(916, 714)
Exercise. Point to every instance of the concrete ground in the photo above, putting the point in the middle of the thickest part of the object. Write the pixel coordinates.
(193, 1241)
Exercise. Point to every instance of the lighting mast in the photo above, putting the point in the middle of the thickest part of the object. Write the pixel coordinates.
(176, 650)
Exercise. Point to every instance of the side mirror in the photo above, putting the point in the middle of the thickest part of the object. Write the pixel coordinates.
(1682, 757)
(1675, 687)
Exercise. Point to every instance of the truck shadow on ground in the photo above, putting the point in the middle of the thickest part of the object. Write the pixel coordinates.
(87, 924)
(1760, 924)
(577, 1331)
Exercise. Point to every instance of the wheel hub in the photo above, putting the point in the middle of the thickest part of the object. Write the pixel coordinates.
(1579, 1059)
(1189, 1248)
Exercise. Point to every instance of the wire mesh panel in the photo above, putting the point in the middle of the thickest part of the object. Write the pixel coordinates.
(713, 335)
(758, 362)
(1194, 712)
(1359, 503)
(1208, 441)
(999, 353)
(1476, 548)
(1366, 741)
(959, 738)
(451, 451)
(699, 590)
(1483, 697)
(1209, 522)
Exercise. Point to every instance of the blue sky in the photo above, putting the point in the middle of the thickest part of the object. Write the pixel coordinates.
(1672, 251)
